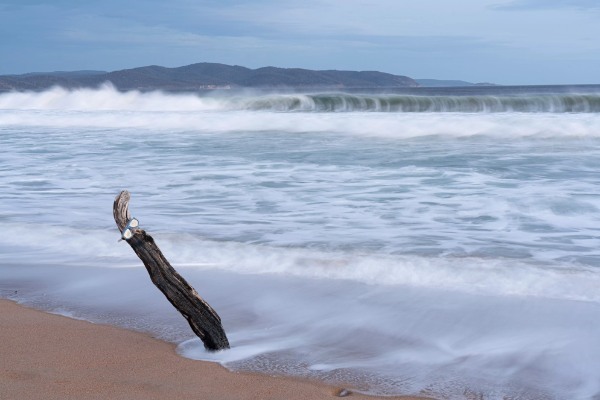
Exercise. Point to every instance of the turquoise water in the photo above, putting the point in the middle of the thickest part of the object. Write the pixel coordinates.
(430, 252)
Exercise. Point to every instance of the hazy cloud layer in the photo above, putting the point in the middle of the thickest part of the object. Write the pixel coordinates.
(550, 4)
(522, 41)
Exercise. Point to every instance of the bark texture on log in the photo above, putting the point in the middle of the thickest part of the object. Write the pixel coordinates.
(203, 320)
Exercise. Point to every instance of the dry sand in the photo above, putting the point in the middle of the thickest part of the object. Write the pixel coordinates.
(46, 356)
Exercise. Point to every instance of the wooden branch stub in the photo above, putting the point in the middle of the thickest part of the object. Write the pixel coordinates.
(203, 320)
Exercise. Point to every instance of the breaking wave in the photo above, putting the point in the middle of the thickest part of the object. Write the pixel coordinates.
(564, 103)
(109, 98)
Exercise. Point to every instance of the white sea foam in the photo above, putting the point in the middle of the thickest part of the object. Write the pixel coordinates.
(106, 98)
(157, 111)
(486, 276)
(392, 126)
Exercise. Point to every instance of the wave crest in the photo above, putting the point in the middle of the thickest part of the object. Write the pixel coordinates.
(560, 103)
(109, 98)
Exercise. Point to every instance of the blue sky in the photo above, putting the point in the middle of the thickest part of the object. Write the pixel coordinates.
(500, 41)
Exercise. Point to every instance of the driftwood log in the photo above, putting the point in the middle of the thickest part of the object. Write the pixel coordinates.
(203, 320)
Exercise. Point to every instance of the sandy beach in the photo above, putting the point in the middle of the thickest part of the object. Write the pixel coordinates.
(47, 356)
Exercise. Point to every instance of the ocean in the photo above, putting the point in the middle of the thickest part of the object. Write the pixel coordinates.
(440, 242)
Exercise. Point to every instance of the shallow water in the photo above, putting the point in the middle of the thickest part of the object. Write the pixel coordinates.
(430, 252)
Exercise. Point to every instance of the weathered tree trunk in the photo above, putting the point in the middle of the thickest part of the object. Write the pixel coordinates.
(203, 320)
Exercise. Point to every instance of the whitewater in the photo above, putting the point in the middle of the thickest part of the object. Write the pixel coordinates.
(438, 244)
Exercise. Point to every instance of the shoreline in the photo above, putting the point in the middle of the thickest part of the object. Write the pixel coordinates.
(64, 358)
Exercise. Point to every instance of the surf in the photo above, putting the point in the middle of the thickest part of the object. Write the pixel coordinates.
(485, 100)
(400, 251)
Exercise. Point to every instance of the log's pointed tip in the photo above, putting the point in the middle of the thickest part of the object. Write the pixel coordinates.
(124, 195)
(121, 209)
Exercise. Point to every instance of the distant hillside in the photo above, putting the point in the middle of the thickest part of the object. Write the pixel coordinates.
(207, 76)
(449, 83)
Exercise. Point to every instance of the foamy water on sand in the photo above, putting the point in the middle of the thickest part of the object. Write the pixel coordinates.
(442, 250)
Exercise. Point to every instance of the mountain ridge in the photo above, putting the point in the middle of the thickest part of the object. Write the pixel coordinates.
(203, 76)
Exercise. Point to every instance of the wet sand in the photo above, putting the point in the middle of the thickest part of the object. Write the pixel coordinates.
(46, 356)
